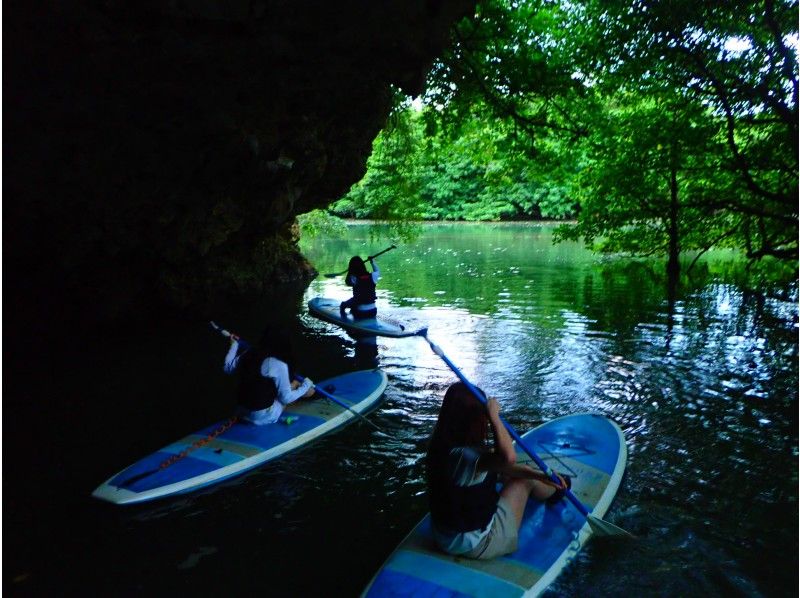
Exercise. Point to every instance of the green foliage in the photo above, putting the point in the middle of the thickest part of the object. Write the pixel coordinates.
(515, 58)
(663, 127)
(482, 173)
(733, 65)
(633, 193)
(388, 190)
(319, 222)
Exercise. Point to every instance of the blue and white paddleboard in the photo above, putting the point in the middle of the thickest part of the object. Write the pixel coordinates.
(588, 447)
(328, 310)
(228, 448)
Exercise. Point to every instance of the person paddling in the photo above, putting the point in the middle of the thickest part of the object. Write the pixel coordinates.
(469, 517)
(362, 303)
(265, 385)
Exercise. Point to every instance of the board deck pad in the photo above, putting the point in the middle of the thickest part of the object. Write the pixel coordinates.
(228, 448)
(589, 448)
(328, 310)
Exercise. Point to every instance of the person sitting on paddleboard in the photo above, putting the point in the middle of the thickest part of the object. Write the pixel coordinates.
(470, 518)
(362, 303)
(265, 385)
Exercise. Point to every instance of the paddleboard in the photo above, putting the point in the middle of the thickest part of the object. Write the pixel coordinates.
(228, 448)
(588, 447)
(328, 310)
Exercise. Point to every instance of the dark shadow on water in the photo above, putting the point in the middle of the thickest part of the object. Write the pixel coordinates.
(79, 406)
(366, 353)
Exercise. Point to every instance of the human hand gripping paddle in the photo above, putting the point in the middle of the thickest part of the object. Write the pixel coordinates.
(319, 389)
(371, 257)
(599, 526)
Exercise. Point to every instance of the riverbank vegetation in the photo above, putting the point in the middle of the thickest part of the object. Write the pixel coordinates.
(660, 129)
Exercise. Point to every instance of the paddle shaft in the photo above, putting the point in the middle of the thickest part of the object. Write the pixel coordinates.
(521, 443)
(371, 257)
(338, 402)
(325, 394)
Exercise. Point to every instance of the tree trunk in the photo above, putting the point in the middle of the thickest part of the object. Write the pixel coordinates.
(673, 265)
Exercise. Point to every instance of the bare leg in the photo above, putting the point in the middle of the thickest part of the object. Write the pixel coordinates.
(542, 491)
(517, 490)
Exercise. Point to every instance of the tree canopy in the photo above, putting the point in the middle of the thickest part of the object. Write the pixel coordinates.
(660, 127)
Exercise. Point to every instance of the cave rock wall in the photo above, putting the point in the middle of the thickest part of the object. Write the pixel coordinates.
(160, 151)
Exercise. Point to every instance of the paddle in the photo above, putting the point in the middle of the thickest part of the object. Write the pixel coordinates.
(319, 389)
(371, 257)
(598, 525)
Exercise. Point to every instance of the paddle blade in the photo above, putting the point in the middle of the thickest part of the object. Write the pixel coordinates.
(604, 528)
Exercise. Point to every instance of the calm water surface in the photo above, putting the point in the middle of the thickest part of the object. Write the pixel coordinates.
(704, 387)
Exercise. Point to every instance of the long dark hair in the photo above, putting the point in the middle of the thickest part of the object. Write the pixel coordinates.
(254, 390)
(274, 342)
(356, 268)
(463, 421)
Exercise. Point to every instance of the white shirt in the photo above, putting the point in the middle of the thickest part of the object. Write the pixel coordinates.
(278, 371)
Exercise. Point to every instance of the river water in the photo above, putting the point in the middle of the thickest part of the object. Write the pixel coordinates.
(704, 386)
